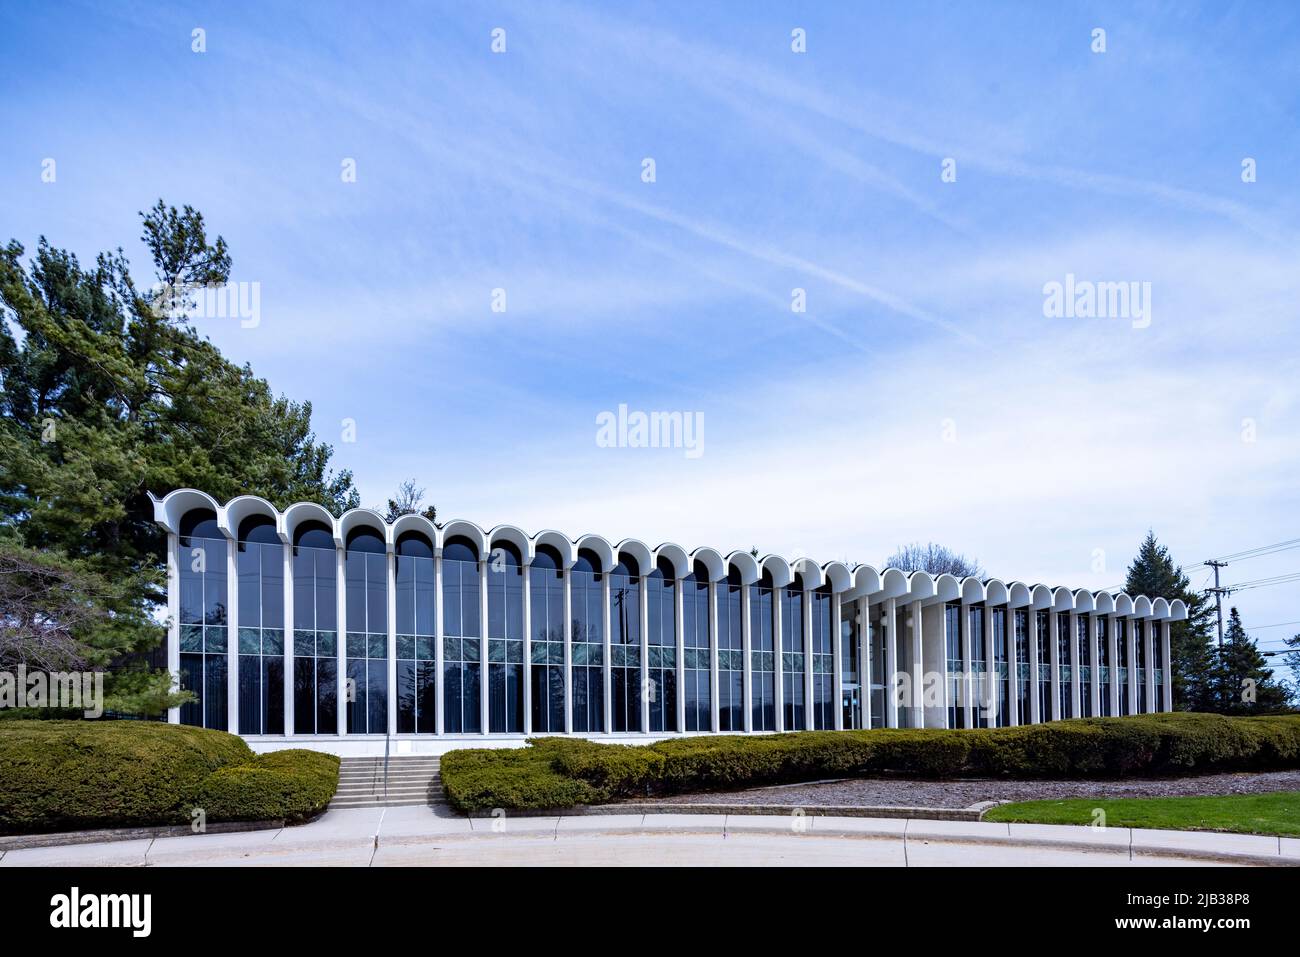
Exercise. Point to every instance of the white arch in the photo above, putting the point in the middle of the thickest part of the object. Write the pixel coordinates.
(246, 506)
(1160, 608)
(972, 590)
(516, 537)
(712, 561)
(779, 569)
(602, 548)
(1123, 605)
(1018, 596)
(1142, 606)
(746, 564)
(1105, 602)
(838, 574)
(1062, 599)
(355, 518)
(464, 529)
(995, 592)
(557, 541)
(639, 551)
(300, 512)
(171, 508)
(1178, 610)
(414, 522)
(866, 579)
(947, 588)
(1083, 600)
(893, 583)
(1042, 597)
(676, 556)
(920, 586)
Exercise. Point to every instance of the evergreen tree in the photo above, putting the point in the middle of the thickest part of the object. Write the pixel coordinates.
(1242, 680)
(108, 394)
(1154, 574)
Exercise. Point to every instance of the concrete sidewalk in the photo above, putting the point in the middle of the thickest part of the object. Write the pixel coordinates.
(422, 836)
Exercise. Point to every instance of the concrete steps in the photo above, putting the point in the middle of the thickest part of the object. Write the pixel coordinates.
(412, 780)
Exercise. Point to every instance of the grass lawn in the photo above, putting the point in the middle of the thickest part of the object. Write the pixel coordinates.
(1275, 813)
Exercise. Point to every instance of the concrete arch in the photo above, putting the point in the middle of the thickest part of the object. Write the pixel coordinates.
(746, 564)
(242, 507)
(1142, 606)
(893, 583)
(1178, 610)
(1042, 597)
(779, 569)
(712, 560)
(1105, 603)
(516, 536)
(1083, 600)
(920, 586)
(1062, 599)
(557, 541)
(996, 592)
(1123, 605)
(676, 556)
(414, 522)
(171, 508)
(639, 552)
(300, 512)
(355, 518)
(811, 572)
(839, 576)
(1018, 594)
(866, 579)
(947, 588)
(1160, 609)
(972, 591)
(603, 549)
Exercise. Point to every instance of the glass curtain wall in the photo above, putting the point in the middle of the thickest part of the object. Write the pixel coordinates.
(956, 668)
(1020, 626)
(695, 641)
(315, 631)
(876, 665)
(1084, 631)
(792, 656)
(505, 589)
(823, 663)
(1121, 662)
(982, 705)
(417, 608)
(625, 644)
(731, 650)
(1158, 662)
(661, 688)
(1063, 650)
(260, 565)
(365, 573)
(1139, 655)
(1103, 665)
(850, 657)
(1001, 667)
(462, 642)
(1043, 641)
(587, 591)
(762, 646)
(546, 596)
(203, 619)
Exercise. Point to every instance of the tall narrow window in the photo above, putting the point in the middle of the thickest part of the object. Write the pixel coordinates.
(850, 658)
(1084, 631)
(982, 704)
(793, 657)
(587, 590)
(417, 610)
(462, 639)
(1121, 662)
(1139, 658)
(1063, 653)
(731, 655)
(1158, 663)
(762, 653)
(661, 688)
(1043, 640)
(366, 581)
(876, 665)
(260, 563)
(695, 641)
(505, 590)
(1021, 626)
(823, 661)
(1001, 667)
(315, 631)
(546, 596)
(956, 666)
(625, 644)
(1103, 666)
(203, 619)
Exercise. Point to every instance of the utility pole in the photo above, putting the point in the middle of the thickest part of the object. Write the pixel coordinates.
(1218, 595)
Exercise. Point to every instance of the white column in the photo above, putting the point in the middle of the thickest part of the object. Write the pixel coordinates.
(1094, 686)
(567, 577)
(891, 664)
(1031, 625)
(746, 644)
(679, 615)
(232, 635)
(1054, 661)
(341, 651)
(606, 672)
(918, 666)
(1166, 689)
(779, 645)
(810, 721)
(1112, 656)
(288, 638)
(392, 641)
(440, 715)
(527, 572)
(1075, 697)
(1013, 665)
(1149, 643)
(862, 611)
(1132, 665)
(990, 692)
(715, 647)
(484, 705)
(968, 676)
(174, 618)
(837, 668)
(644, 612)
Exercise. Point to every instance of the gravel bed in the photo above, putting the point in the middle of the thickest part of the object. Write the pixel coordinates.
(898, 792)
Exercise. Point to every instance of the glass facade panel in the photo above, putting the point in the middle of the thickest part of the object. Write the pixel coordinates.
(1043, 641)
(546, 669)
(365, 572)
(823, 660)
(315, 633)
(417, 611)
(261, 636)
(1001, 667)
(1103, 665)
(1139, 658)
(625, 646)
(762, 668)
(203, 624)
(731, 650)
(1083, 630)
(462, 654)
(1023, 690)
(1063, 650)
(587, 589)
(983, 701)
(505, 594)
(695, 640)
(1122, 663)
(661, 688)
(850, 658)
(954, 664)
(793, 663)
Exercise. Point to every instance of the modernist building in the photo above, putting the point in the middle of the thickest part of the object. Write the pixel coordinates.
(299, 626)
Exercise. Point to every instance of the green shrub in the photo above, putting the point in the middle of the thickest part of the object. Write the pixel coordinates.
(559, 772)
(292, 785)
(64, 775)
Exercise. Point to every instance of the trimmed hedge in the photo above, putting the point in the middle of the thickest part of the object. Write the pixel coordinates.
(561, 772)
(68, 775)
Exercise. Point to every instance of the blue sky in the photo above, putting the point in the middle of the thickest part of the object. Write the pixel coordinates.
(922, 395)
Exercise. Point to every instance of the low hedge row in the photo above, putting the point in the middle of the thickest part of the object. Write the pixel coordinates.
(67, 775)
(561, 772)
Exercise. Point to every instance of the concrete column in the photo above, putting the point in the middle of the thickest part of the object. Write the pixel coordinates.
(837, 669)
(967, 681)
(891, 664)
(391, 561)
(810, 721)
(779, 645)
(174, 618)
(1167, 689)
(862, 613)
(341, 651)
(918, 665)
(715, 649)
(1132, 665)
(990, 692)
(1013, 666)
(567, 577)
(440, 705)
(746, 644)
(1075, 692)
(1054, 660)
(1112, 656)
(644, 611)
(607, 675)
(1152, 625)
(287, 561)
(1094, 686)
(679, 616)
(527, 572)
(484, 704)
(1031, 623)
(232, 635)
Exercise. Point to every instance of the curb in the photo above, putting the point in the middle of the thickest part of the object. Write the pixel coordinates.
(18, 842)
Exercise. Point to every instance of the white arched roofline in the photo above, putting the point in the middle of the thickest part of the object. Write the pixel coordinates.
(746, 564)
(355, 518)
(1105, 603)
(558, 541)
(602, 549)
(1123, 605)
(920, 586)
(1042, 597)
(516, 536)
(1062, 599)
(839, 576)
(712, 560)
(810, 572)
(866, 579)
(947, 588)
(1142, 606)
(639, 552)
(1083, 600)
(300, 512)
(243, 507)
(972, 591)
(171, 508)
(1160, 609)
(1018, 594)
(779, 569)
(676, 556)
(459, 527)
(893, 583)
(415, 522)
(996, 592)
(1178, 610)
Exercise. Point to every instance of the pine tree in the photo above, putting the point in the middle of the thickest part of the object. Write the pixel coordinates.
(1154, 574)
(1242, 680)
